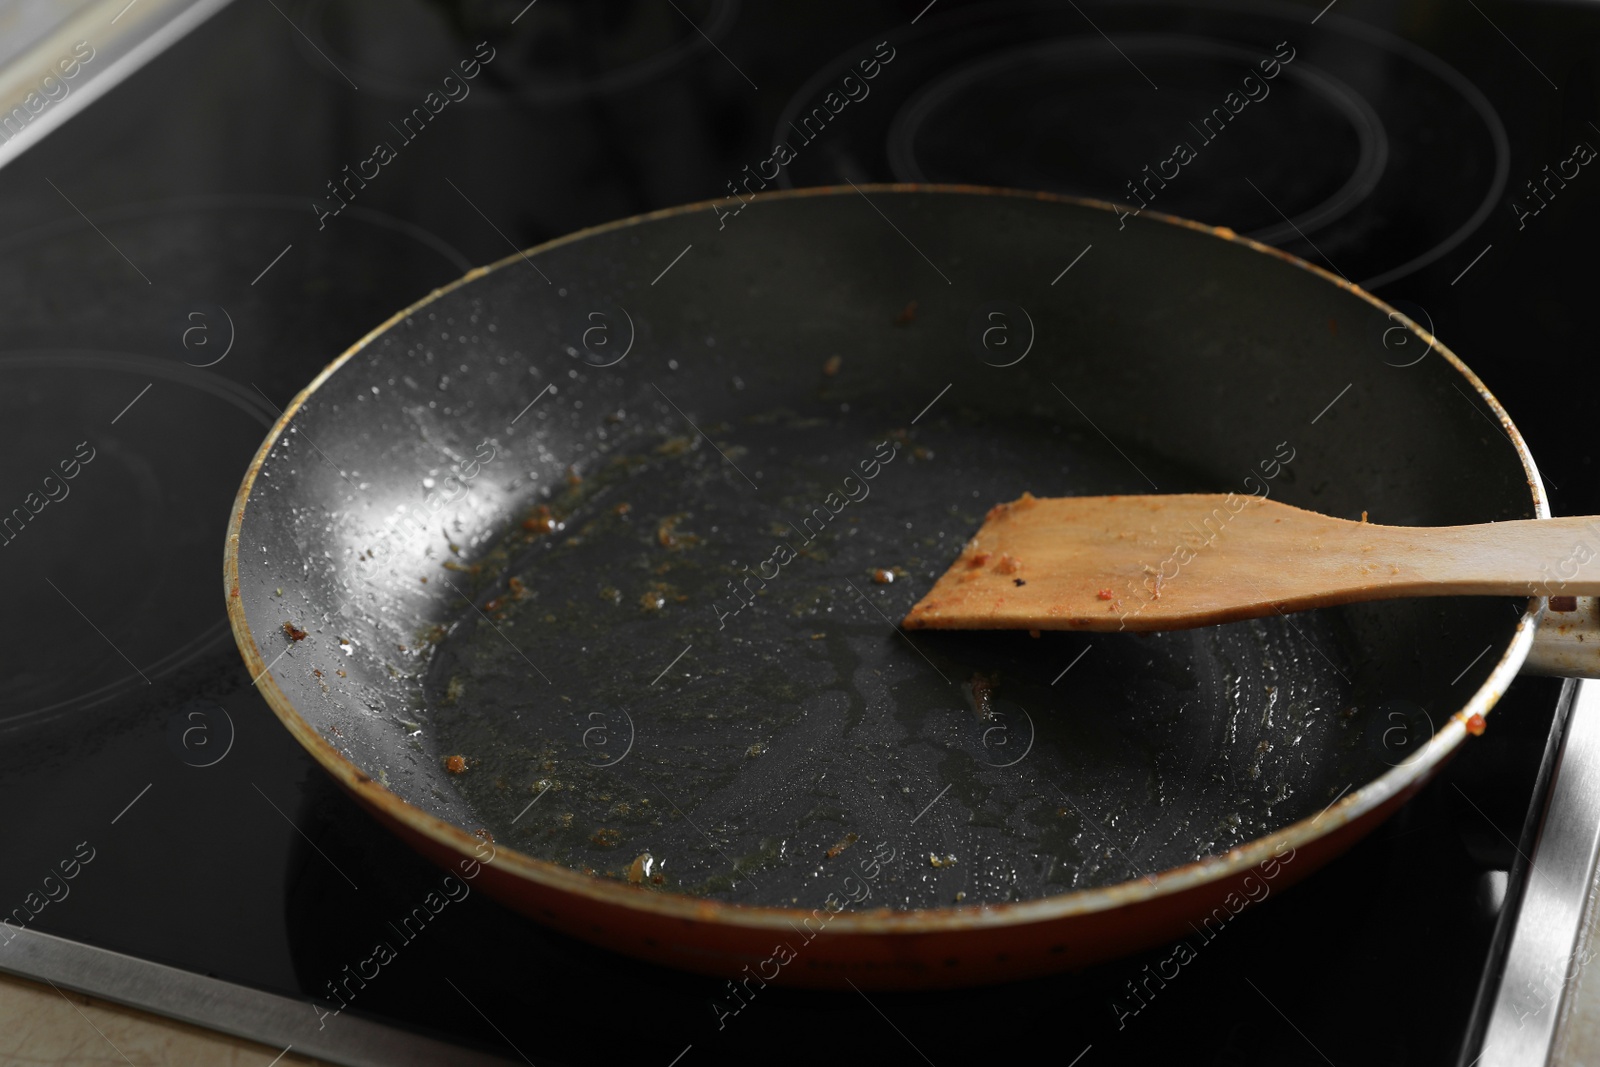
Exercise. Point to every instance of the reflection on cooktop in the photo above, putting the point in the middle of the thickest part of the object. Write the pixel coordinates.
(557, 51)
(202, 349)
(1234, 115)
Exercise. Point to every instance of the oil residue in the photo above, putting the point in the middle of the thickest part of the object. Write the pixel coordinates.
(729, 702)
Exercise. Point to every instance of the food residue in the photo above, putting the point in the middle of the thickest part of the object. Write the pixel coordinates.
(455, 764)
(641, 868)
(982, 687)
(668, 535)
(606, 838)
(540, 521)
(1105, 594)
(1022, 503)
(294, 632)
(1475, 725)
(674, 446)
(843, 843)
(831, 367)
(888, 575)
(947, 860)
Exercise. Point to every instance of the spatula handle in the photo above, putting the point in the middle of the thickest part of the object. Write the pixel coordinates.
(1536, 557)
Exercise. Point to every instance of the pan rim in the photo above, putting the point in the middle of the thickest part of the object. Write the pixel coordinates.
(1348, 807)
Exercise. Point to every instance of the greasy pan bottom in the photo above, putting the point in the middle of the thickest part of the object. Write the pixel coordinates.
(805, 735)
(544, 601)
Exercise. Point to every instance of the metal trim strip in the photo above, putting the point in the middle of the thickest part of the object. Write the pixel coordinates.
(149, 30)
(225, 1006)
(1554, 897)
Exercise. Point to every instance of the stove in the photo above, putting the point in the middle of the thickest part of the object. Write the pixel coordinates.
(192, 247)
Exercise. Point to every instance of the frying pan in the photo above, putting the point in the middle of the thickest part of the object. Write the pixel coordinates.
(580, 575)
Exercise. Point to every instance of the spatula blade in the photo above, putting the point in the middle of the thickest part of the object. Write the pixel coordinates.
(1153, 563)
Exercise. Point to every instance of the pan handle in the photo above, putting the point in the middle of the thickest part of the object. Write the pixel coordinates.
(1566, 641)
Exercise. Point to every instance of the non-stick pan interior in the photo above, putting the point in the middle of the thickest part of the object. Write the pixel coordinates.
(649, 598)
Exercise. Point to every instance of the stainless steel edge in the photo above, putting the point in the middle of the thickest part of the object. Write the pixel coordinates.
(1522, 1028)
(1566, 644)
(123, 36)
(218, 1005)
(1516, 881)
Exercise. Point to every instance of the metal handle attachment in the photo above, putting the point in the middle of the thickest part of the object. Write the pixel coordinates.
(1566, 642)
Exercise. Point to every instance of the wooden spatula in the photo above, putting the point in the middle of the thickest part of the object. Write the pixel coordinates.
(1173, 562)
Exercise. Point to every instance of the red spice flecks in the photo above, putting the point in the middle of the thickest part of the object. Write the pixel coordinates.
(455, 764)
(1475, 724)
(540, 521)
(1104, 594)
(294, 632)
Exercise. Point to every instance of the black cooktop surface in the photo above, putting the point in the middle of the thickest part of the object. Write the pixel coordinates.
(179, 260)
